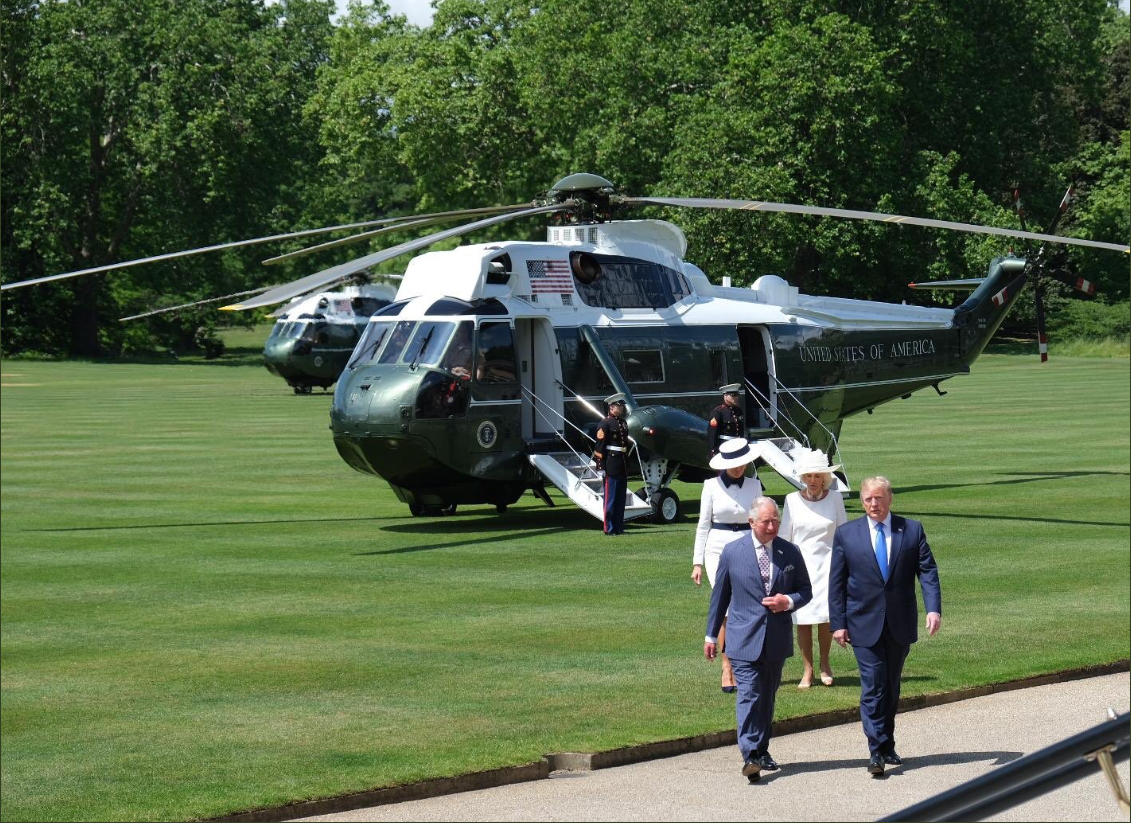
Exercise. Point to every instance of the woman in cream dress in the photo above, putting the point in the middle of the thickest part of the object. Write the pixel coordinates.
(808, 520)
(724, 512)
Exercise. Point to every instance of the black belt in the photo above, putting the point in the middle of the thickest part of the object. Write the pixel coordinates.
(730, 527)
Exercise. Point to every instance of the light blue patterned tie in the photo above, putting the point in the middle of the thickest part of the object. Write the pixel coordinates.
(882, 551)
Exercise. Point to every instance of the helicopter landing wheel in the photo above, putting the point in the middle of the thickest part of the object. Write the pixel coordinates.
(448, 509)
(415, 509)
(303, 389)
(665, 507)
(501, 508)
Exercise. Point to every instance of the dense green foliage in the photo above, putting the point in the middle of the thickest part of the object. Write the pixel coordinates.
(204, 611)
(134, 128)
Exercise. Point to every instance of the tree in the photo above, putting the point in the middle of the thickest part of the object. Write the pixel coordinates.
(132, 128)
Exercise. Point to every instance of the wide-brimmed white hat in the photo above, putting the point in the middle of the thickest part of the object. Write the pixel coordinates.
(736, 452)
(813, 461)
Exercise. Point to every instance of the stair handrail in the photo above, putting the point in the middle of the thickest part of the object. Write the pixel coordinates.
(832, 437)
(584, 463)
(769, 413)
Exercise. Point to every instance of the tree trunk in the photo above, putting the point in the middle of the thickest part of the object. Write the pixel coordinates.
(84, 318)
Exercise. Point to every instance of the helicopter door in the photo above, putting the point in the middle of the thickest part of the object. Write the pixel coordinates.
(539, 368)
(757, 368)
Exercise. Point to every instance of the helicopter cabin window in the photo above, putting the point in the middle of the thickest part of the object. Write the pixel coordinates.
(495, 360)
(396, 342)
(614, 282)
(428, 343)
(643, 366)
(718, 368)
(457, 359)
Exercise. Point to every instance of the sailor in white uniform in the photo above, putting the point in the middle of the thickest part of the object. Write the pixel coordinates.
(724, 510)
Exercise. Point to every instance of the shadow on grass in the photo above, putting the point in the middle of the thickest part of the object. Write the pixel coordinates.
(455, 544)
(854, 682)
(560, 517)
(974, 516)
(1016, 478)
(219, 523)
(998, 758)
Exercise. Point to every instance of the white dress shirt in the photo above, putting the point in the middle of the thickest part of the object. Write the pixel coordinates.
(887, 535)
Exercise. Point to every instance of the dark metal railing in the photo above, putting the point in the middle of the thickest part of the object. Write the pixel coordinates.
(1032, 776)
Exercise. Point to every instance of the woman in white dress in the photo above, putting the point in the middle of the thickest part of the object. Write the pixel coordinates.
(808, 520)
(723, 516)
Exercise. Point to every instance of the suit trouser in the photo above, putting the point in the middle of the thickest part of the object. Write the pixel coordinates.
(881, 666)
(758, 682)
(615, 488)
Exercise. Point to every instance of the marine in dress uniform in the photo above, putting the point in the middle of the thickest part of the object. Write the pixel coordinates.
(611, 456)
(726, 421)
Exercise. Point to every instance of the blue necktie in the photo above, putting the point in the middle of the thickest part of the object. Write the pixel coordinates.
(882, 551)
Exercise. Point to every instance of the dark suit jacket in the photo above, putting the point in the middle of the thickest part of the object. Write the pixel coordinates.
(751, 627)
(861, 602)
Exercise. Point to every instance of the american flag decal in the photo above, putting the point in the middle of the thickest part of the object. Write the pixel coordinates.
(999, 298)
(549, 276)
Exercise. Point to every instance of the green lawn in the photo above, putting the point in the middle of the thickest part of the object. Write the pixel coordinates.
(205, 610)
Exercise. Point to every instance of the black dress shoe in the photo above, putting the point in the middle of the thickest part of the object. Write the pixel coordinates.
(876, 765)
(751, 768)
(768, 763)
(893, 759)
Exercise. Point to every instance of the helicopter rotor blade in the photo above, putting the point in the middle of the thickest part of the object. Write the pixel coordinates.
(354, 238)
(965, 284)
(339, 272)
(849, 214)
(283, 309)
(412, 223)
(252, 242)
(190, 305)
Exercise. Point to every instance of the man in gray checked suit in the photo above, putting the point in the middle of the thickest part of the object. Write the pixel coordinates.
(761, 578)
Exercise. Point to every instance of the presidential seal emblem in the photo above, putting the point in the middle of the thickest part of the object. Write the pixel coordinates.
(487, 434)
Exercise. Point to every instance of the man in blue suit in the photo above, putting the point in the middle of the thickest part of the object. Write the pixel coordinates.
(875, 562)
(761, 578)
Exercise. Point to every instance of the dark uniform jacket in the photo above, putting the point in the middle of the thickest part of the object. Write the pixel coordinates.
(613, 432)
(725, 421)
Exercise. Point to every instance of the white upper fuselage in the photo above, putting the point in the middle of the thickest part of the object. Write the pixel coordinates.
(540, 284)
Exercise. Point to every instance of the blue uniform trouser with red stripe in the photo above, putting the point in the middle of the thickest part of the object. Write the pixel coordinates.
(615, 488)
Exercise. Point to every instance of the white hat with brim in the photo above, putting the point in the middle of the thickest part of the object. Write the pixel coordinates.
(813, 461)
(736, 452)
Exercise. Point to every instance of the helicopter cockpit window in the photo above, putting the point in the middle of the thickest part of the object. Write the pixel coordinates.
(428, 343)
(365, 306)
(457, 359)
(277, 329)
(391, 310)
(396, 342)
(370, 343)
(626, 283)
(495, 360)
(448, 306)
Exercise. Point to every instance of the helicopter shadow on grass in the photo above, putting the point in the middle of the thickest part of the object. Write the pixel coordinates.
(199, 524)
(514, 525)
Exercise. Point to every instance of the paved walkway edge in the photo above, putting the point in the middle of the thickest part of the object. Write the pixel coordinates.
(587, 761)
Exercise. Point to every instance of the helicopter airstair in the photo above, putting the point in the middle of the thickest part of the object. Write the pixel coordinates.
(778, 451)
(574, 477)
